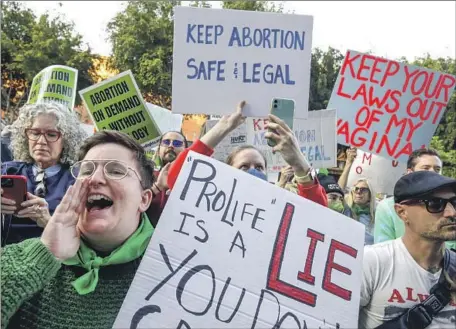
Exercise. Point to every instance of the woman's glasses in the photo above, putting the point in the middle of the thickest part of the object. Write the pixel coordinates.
(175, 143)
(434, 205)
(113, 169)
(361, 190)
(51, 136)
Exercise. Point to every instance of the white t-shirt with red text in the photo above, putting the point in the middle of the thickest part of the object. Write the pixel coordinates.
(392, 282)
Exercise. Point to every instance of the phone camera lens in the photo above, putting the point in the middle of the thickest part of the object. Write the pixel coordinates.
(7, 182)
(275, 101)
(275, 106)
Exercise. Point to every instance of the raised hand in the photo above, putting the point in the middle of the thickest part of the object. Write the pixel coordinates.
(61, 235)
(35, 208)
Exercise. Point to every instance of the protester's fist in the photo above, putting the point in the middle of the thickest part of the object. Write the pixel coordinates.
(351, 154)
(8, 205)
(285, 175)
(61, 235)
(235, 119)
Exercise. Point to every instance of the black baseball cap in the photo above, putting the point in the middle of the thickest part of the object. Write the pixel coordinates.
(330, 185)
(420, 184)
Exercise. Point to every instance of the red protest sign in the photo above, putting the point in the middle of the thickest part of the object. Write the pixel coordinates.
(386, 107)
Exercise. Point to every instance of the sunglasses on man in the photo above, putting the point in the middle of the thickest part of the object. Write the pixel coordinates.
(174, 143)
(433, 205)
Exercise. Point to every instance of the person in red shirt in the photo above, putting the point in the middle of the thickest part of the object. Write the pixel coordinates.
(250, 159)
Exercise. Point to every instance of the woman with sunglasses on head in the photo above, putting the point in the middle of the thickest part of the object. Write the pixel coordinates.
(44, 141)
(171, 144)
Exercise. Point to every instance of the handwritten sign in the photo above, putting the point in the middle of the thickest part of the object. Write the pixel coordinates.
(117, 104)
(165, 119)
(386, 107)
(226, 256)
(225, 56)
(381, 172)
(237, 137)
(316, 137)
(56, 83)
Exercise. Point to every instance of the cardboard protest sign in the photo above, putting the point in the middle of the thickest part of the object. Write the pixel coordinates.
(386, 107)
(226, 56)
(165, 119)
(381, 172)
(236, 138)
(117, 104)
(226, 256)
(316, 136)
(56, 83)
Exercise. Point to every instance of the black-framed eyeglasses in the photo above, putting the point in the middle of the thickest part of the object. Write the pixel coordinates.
(433, 205)
(113, 169)
(51, 136)
(174, 143)
(361, 190)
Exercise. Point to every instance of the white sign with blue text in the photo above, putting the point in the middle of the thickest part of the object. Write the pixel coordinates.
(233, 251)
(224, 56)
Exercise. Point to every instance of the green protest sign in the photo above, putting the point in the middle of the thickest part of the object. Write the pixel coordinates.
(56, 83)
(117, 104)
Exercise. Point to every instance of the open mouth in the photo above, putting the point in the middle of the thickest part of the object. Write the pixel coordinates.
(98, 202)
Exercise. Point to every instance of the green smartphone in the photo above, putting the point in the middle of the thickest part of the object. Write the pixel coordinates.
(283, 109)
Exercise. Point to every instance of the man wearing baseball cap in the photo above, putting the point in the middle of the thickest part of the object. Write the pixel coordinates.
(399, 274)
(335, 195)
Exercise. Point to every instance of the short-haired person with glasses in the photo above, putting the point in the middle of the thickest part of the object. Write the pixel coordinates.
(45, 139)
(388, 225)
(399, 274)
(78, 273)
(170, 145)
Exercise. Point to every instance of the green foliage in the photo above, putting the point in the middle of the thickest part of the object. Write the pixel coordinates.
(29, 44)
(448, 157)
(253, 6)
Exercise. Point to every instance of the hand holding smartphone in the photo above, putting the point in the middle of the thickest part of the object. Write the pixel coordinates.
(14, 187)
(284, 110)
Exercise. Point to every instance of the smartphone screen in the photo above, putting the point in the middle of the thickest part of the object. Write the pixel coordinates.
(284, 110)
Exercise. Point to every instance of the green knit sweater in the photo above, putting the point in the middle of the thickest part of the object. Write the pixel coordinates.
(37, 293)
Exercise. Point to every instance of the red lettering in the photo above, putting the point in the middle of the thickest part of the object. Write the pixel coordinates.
(359, 170)
(422, 297)
(384, 142)
(407, 149)
(413, 87)
(358, 141)
(373, 139)
(307, 276)
(274, 282)
(375, 69)
(328, 285)
(361, 92)
(394, 96)
(348, 62)
(394, 121)
(361, 111)
(391, 70)
(339, 89)
(427, 92)
(344, 129)
(440, 107)
(447, 85)
(412, 129)
(256, 125)
(373, 118)
(396, 296)
(362, 67)
(367, 156)
(410, 295)
(373, 100)
(408, 76)
(411, 103)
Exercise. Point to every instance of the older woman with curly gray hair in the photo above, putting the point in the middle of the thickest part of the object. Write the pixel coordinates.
(44, 142)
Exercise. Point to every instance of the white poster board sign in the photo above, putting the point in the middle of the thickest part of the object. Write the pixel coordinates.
(165, 119)
(381, 172)
(226, 256)
(237, 137)
(386, 107)
(226, 56)
(316, 136)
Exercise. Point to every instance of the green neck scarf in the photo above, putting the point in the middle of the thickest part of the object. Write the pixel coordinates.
(87, 258)
(361, 210)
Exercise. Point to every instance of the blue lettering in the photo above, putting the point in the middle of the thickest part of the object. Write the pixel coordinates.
(218, 32)
(200, 33)
(246, 36)
(190, 28)
(256, 72)
(267, 38)
(323, 152)
(204, 70)
(317, 154)
(234, 38)
(268, 77)
(244, 73)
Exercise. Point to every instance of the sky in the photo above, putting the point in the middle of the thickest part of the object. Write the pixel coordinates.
(390, 29)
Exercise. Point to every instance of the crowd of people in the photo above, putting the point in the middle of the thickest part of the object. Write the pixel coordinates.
(71, 249)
